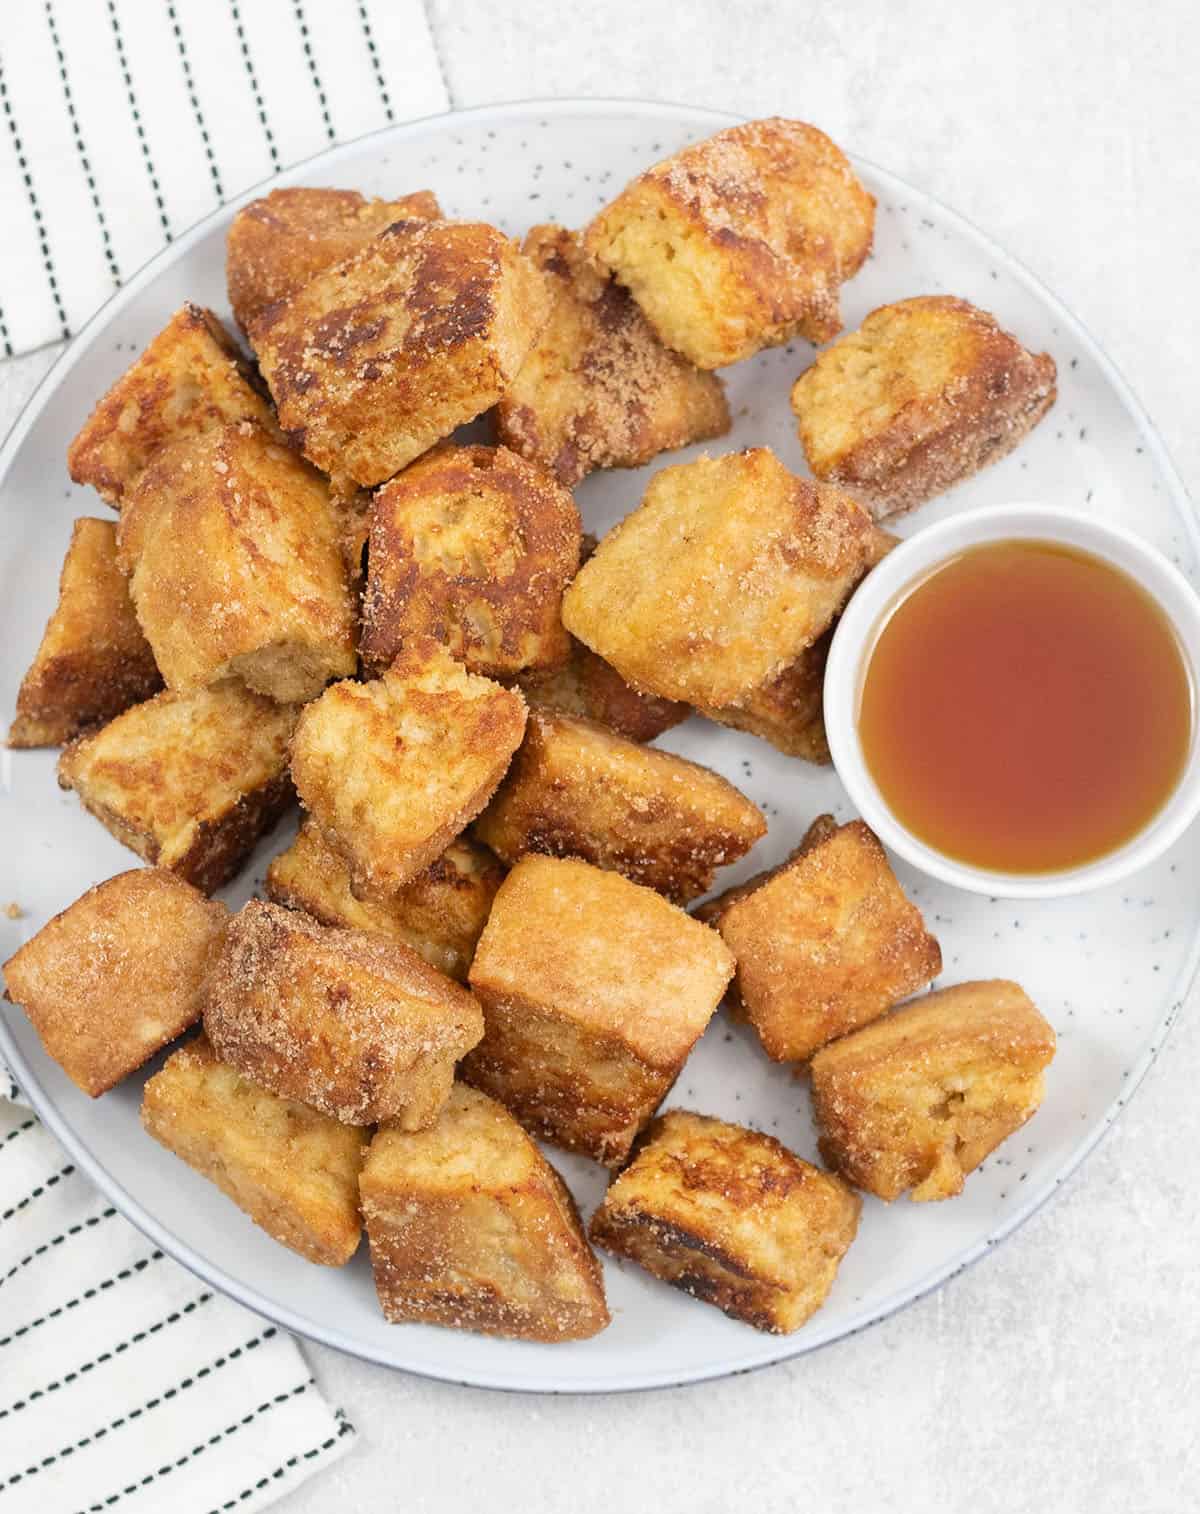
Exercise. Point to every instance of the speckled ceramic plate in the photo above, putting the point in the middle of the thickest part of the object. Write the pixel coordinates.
(1109, 970)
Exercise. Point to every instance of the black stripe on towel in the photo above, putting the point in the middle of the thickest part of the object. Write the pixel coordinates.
(131, 96)
(373, 54)
(298, 8)
(191, 94)
(345, 1428)
(252, 75)
(35, 208)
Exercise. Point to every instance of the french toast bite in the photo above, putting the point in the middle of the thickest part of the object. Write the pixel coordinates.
(117, 974)
(740, 241)
(925, 393)
(439, 913)
(576, 789)
(472, 547)
(393, 770)
(826, 943)
(292, 1170)
(236, 566)
(361, 1028)
(918, 1099)
(187, 781)
(589, 688)
(375, 359)
(731, 1217)
(278, 242)
(190, 379)
(470, 1227)
(93, 661)
(724, 574)
(594, 991)
(598, 389)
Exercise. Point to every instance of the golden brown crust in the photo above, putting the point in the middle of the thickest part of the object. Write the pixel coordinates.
(917, 1100)
(732, 1217)
(587, 686)
(361, 1028)
(594, 991)
(576, 789)
(724, 574)
(187, 781)
(117, 974)
(377, 358)
(440, 913)
(93, 661)
(926, 392)
(391, 771)
(189, 379)
(292, 1170)
(598, 389)
(826, 943)
(472, 546)
(237, 568)
(740, 241)
(277, 243)
(471, 1228)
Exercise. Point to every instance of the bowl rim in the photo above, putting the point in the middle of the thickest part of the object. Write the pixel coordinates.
(899, 574)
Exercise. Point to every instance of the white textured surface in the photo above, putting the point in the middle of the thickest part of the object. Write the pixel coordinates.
(1061, 1373)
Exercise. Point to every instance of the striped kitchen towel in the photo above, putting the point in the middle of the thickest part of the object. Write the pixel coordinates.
(125, 121)
(125, 1382)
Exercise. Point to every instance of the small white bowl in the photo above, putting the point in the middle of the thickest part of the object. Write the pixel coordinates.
(886, 585)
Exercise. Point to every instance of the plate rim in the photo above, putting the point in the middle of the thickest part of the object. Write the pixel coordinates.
(772, 1349)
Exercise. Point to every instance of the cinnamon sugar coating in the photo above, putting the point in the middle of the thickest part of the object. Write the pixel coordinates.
(280, 241)
(825, 943)
(117, 974)
(187, 781)
(472, 546)
(191, 378)
(576, 789)
(236, 566)
(919, 1098)
(375, 359)
(925, 393)
(359, 1027)
(732, 1217)
(439, 913)
(471, 1228)
(292, 1170)
(594, 991)
(93, 661)
(724, 574)
(590, 688)
(740, 241)
(391, 771)
(598, 389)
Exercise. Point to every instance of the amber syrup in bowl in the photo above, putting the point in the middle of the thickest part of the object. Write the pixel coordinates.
(1014, 709)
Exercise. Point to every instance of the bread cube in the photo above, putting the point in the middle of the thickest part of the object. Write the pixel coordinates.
(237, 568)
(439, 913)
(923, 395)
(724, 574)
(598, 389)
(377, 358)
(190, 379)
(187, 781)
(826, 943)
(277, 243)
(740, 241)
(93, 661)
(917, 1100)
(292, 1170)
(594, 991)
(473, 547)
(361, 1028)
(731, 1217)
(392, 771)
(472, 1228)
(117, 974)
(586, 686)
(576, 789)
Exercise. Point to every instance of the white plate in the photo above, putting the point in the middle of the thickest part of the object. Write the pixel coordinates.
(1109, 971)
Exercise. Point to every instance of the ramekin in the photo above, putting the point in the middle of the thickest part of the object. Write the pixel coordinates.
(895, 577)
